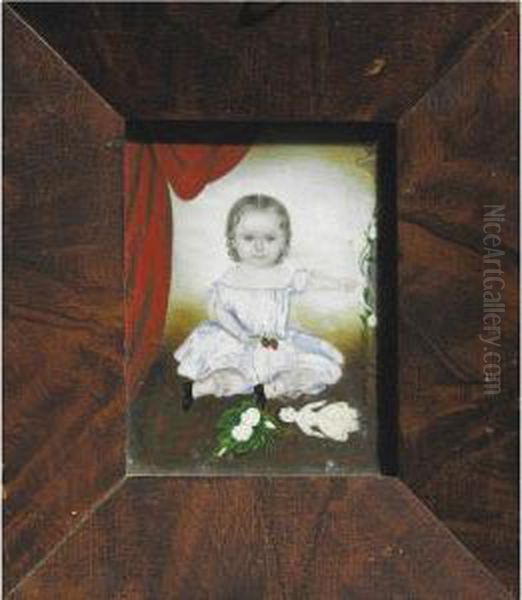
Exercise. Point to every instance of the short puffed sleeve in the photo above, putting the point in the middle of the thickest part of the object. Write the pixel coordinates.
(300, 280)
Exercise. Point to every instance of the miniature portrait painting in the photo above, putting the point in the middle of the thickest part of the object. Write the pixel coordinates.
(272, 320)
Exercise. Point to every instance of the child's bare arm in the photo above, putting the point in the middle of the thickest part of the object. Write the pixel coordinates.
(318, 281)
(231, 323)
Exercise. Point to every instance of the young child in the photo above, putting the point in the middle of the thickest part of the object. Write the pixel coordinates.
(248, 346)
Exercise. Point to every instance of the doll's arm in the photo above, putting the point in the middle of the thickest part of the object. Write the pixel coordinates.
(308, 428)
(226, 318)
(316, 433)
(315, 405)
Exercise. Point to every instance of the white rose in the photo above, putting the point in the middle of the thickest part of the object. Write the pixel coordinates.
(372, 321)
(242, 433)
(250, 417)
(269, 424)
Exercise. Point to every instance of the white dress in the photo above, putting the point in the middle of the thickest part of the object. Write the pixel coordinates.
(227, 352)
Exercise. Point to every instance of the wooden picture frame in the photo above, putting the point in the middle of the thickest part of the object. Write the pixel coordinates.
(446, 76)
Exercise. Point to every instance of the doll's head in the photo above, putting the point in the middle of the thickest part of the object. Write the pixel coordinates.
(287, 414)
(258, 231)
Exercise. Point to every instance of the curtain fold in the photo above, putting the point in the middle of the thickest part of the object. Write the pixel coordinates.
(149, 169)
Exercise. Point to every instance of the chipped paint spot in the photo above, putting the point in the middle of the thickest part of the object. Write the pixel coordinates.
(376, 67)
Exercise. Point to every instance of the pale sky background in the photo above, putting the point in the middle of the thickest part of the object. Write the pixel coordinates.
(330, 193)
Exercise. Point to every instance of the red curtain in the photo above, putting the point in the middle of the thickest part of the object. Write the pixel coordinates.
(148, 169)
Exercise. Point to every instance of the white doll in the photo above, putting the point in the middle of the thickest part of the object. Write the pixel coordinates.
(248, 345)
(334, 421)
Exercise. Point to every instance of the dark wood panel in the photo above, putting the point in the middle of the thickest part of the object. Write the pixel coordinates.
(230, 61)
(356, 538)
(457, 154)
(64, 428)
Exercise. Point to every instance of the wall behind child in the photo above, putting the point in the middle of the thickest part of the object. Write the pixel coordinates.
(330, 193)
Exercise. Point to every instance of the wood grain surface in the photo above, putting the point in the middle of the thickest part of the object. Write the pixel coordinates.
(354, 538)
(230, 61)
(64, 411)
(446, 73)
(457, 153)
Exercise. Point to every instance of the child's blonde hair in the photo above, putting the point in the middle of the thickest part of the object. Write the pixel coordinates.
(256, 202)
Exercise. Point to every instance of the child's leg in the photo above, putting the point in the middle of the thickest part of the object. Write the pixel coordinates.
(292, 384)
(225, 382)
(302, 380)
(204, 387)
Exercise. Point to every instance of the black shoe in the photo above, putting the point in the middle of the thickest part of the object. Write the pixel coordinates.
(187, 399)
(259, 393)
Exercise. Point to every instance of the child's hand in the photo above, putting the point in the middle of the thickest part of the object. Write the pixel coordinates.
(320, 281)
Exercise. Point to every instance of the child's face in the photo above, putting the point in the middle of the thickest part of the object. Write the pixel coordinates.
(259, 238)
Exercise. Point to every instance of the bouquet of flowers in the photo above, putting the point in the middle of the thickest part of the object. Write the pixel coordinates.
(245, 428)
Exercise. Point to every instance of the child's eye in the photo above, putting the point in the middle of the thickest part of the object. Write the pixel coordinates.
(248, 238)
(270, 238)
